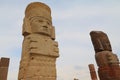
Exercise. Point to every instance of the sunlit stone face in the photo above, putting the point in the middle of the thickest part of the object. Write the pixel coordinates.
(40, 25)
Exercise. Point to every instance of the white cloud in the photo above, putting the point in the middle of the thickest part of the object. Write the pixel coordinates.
(79, 11)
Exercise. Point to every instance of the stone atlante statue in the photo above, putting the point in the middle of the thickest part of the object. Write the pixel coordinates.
(107, 61)
(39, 48)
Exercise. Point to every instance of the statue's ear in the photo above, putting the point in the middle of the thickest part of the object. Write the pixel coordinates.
(53, 32)
(26, 27)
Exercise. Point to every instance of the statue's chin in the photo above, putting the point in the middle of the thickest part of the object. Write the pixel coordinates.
(43, 33)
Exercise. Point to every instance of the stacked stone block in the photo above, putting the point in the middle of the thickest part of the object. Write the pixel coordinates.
(4, 64)
(92, 72)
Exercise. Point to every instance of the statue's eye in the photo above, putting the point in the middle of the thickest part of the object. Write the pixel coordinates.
(48, 23)
(40, 20)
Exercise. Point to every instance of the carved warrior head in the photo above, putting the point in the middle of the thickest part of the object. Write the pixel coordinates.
(38, 20)
(100, 41)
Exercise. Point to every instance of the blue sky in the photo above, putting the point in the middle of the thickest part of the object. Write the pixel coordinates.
(73, 20)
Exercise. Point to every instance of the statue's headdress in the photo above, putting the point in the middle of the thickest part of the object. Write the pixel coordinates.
(38, 9)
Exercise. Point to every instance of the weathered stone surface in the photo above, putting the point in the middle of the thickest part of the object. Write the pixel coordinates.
(40, 50)
(107, 61)
(4, 64)
(100, 41)
(92, 72)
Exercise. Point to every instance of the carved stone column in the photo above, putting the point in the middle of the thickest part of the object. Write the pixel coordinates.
(107, 61)
(4, 64)
(92, 72)
(40, 50)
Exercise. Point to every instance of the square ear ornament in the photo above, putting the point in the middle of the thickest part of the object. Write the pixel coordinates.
(26, 27)
(53, 33)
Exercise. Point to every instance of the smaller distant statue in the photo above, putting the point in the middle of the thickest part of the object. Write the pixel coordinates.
(76, 79)
(107, 61)
(92, 72)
